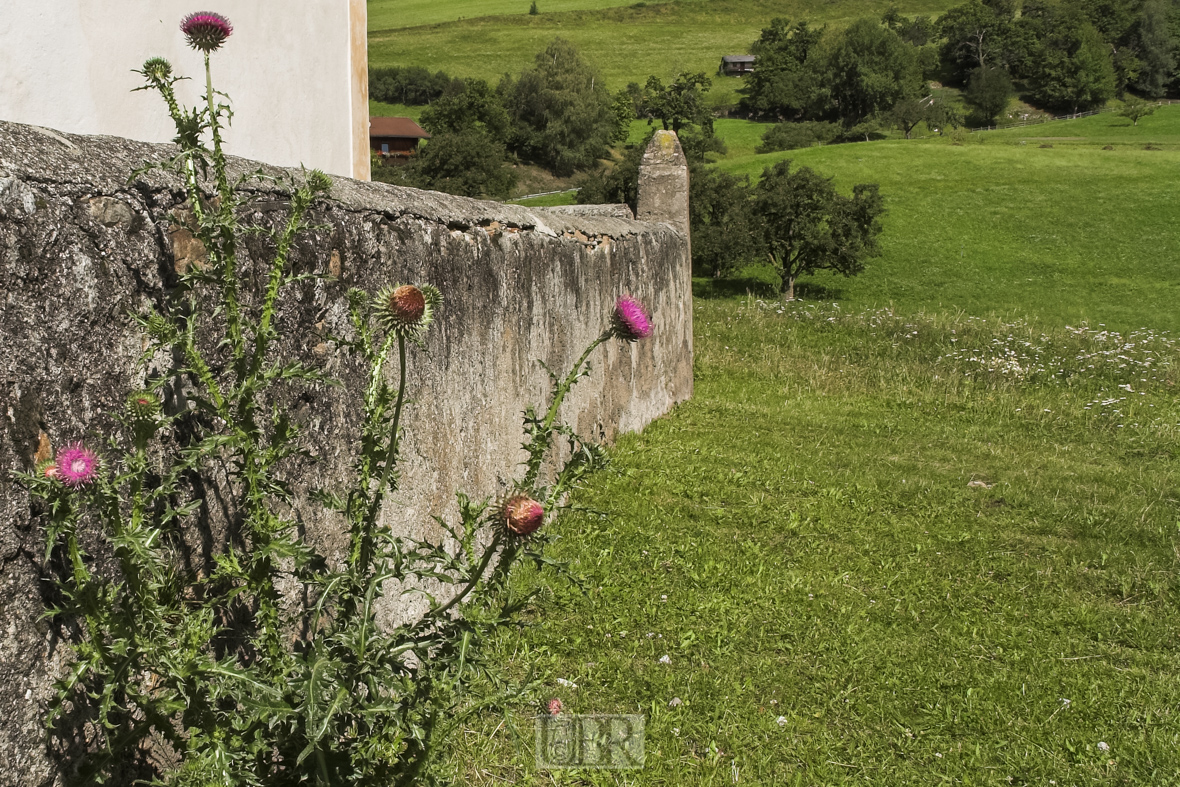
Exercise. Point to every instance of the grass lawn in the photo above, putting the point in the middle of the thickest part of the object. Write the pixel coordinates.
(1001, 225)
(933, 543)
(627, 44)
(838, 603)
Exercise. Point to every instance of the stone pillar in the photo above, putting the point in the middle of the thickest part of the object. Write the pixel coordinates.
(663, 183)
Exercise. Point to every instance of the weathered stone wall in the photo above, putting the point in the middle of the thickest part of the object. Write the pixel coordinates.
(83, 245)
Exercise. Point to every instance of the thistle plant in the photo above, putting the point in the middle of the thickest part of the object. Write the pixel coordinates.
(222, 671)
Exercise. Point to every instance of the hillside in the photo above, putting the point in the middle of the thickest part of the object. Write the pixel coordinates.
(627, 44)
(1001, 224)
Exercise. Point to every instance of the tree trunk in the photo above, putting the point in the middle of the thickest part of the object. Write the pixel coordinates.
(790, 292)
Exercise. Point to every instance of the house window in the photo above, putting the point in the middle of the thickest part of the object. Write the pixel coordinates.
(384, 148)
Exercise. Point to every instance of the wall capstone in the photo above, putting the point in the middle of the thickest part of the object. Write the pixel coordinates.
(663, 182)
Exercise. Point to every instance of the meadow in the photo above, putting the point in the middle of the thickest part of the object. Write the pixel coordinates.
(920, 527)
(1039, 221)
(626, 43)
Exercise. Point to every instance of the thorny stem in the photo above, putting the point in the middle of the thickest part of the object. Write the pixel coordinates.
(475, 577)
(366, 544)
(224, 229)
(544, 436)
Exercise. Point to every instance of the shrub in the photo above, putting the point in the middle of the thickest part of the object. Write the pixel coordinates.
(790, 136)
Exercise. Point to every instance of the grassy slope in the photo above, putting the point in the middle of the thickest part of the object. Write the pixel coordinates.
(1068, 234)
(394, 14)
(626, 44)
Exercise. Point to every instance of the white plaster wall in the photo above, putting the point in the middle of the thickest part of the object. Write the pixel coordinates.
(294, 70)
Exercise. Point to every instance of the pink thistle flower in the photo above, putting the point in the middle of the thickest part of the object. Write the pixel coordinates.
(76, 465)
(631, 322)
(554, 706)
(523, 515)
(206, 30)
(48, 469)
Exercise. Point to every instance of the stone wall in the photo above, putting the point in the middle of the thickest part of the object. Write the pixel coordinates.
(83, 245)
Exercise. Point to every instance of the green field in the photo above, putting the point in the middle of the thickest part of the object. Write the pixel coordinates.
(394, 14)
(932, 542)
(1001, 225)
(920, 527)
(627, 44)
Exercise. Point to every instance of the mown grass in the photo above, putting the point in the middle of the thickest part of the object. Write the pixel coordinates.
(626, 44)
(837, 601)
(1070, 233)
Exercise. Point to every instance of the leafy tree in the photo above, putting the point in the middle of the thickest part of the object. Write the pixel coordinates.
(940, 116)
(1134, 108)
(679, 102)
(1075, 69)
(408, 85)
(721, 217)
(469, 163)
(617, 184)
(868, 70)
(807, 225)
(533, 9)
(1157, 49)
(788, 82)
(989, 90)
(907, 114)
(917, 31)
(470, 104)
(561, 112)
(977, 36)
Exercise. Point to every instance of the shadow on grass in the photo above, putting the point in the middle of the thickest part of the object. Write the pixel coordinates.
(759, 287)
(736, 286)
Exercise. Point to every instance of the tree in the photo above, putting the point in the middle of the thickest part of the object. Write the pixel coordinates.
(989, 90)
(918, 31)
(808, 226)
(678, 103)
(868, 70)
(940, 116)
(1075, 69)
(721, 218)
(907, 114)
(976, 36)
(1134, 108)
(470, 104)
(787, 83)
(1157, 49)
(562, 116)
(469, 163)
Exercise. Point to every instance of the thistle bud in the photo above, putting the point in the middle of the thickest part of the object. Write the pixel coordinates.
(523, 515)
(143, 406)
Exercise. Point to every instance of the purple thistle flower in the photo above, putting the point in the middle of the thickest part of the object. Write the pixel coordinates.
(631, 322)
(206, 30)
(76, 465)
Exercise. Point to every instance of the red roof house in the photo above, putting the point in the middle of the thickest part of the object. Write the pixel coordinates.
(395, 137)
